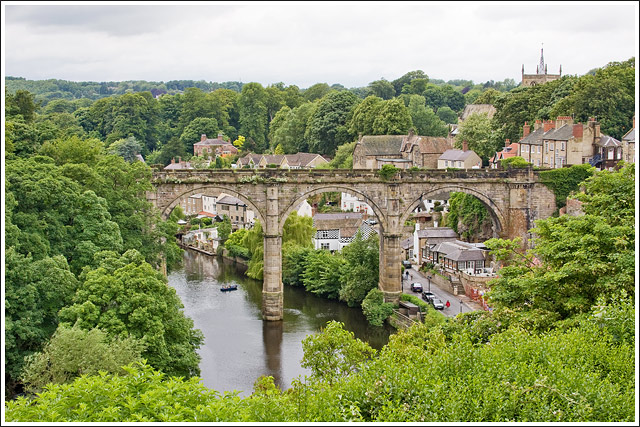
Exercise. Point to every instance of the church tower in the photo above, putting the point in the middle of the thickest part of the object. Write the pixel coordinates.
(541, 76)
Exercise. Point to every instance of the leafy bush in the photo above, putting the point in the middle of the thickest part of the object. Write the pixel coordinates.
(375, 309)
(514, 162)
(386, 172)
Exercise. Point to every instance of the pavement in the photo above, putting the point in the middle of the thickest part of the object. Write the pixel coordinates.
(458, 303)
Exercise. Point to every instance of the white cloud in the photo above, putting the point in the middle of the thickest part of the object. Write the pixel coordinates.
(305, 43)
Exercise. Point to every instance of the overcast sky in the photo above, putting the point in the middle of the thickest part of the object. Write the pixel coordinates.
(306, 43)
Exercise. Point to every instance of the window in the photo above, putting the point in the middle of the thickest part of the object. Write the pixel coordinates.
(610, 154)
(537, 162)
(546, 147)
(525, 148)
(323, 234)
(562, 146)
(551, 146)
(324, 246)
(459, 164)
(538, 149)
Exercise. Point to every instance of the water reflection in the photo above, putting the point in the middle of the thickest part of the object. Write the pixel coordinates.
(239, 346)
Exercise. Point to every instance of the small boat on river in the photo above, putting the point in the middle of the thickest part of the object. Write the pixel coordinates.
(229, 288)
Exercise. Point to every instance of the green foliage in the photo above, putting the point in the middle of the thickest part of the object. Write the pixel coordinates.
(193, 132)
(467, 215)
(322, 274)
(73, 352)
(254, 242)
(254, 117)
(564, 181)
(514, 162)
(344, 157)
(298, 230)
(476, 131)
(392, 118)
(447, 115)
(360, 271)
(234, 244)
(327, 127)
(73, 150)
(382, 89)
(291, 132)
(386, 172)
(375, 309)
(224, 228)
(424, 120)
(294, 264)
(581, 258)
(126, 148)
(334, 353)
(125, 296)
(35, 290)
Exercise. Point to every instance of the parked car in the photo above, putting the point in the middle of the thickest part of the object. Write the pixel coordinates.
(406, 263)
(437, 304)
(416, 287)
(428, 296)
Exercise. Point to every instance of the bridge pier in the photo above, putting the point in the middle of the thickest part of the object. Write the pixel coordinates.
(390, 273)
(272, 292)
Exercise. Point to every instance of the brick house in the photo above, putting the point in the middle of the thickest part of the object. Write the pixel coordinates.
(236, 210)
(214, 147)
(558, 143)
(510, 149)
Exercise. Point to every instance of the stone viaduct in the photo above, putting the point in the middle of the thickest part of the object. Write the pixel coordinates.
(515, 198)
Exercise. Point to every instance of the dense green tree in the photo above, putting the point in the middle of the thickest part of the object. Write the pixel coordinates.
(126, 148)
(447, 115)
(375, 309)
(344, 156)
(327, 126)
(294, 263)
(298, 230)
(581, 258)
(360, 271)
(73, 150)
(278, 120)
(489, 96)
(124, 297)
(381, 89)
(322, 275)
(393, 118)
(22, 103)
(253, 110)
(34, 291)
(399, 83)
(334, 353)
(424, 120)
(317, 91)
(363, 115)
(291, 132)
(415, 86)
(72, 352)
(476, 131)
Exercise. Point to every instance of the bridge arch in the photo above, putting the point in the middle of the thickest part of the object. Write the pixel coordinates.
(497, 217)
(167, 211)
(324, 189)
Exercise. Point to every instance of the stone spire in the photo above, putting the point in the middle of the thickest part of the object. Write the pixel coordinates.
(541, 67)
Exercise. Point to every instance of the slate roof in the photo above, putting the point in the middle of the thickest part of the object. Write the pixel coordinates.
(437, 233)
(455, 154)
(630, 136)
(178, 166)
(433, 144)
(255, 157)
(534, 138)
(562, 134)
(407, 243)
(608, 141)
(230, 200)
(302, 159)
(459, 251)
(385, 145)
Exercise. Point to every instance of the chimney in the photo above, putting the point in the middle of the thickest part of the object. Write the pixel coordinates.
(548, 125)
(465, 146)
(203, 137)
(507, 143)
(563, 120)
(411, 133)
(526, 129)
(577, 130)
(220, 136)
(537, 125)
(173, 160)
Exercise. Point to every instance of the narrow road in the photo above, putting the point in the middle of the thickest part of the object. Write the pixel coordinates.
(459, 303)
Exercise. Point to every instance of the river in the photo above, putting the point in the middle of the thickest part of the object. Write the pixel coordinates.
(239, 346)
